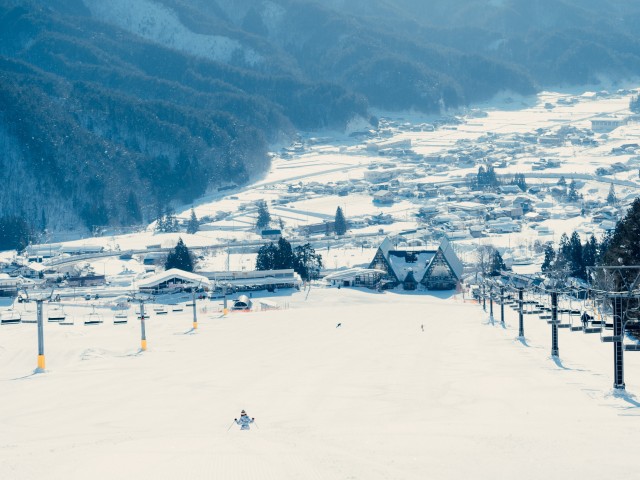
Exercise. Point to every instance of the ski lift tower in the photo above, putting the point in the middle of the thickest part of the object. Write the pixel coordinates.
(620, 289)
(551, 286)
(194, 293)
(39, 298)
(143, 334)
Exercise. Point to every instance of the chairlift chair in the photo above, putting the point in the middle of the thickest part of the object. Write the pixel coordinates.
(577, 326)
(56, 314)
(29, 316)
(545, 312)
(93, 318)
(68, 321)
(10, 317)
(120, 318)
(564, 324)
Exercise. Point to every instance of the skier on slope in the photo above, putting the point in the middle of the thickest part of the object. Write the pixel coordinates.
(244, 420)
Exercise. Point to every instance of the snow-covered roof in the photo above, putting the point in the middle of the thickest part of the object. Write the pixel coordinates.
(187, 277)
(352, 273)
(36, 267)
(398, 261)
(385, 246)
(294, 279)
(451, 257)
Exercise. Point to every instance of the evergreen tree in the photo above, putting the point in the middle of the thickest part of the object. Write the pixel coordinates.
(284, 255)
(264, 217)
(576, 256)
(623, 248)
(160, 222)
(497, 264)
(520, 181)
(487, 178)
(611, 197)
(572, 195)
(603, 246)
(171, 223)
(563, 257)
(590, 252)
(307, 263)
(193, 225)
(562, 182)
(340, 222)
(180, 258)
(549, 258)
(167, 223)
(266, 259)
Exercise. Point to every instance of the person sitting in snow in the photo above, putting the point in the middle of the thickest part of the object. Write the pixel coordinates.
(244, 420)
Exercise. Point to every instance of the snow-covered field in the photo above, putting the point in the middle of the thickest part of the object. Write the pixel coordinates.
(376, 398)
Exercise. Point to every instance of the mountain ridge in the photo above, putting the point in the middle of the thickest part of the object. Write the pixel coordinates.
(125, 108)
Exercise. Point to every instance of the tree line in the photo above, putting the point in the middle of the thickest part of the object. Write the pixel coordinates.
(620, 247)
(279, 256)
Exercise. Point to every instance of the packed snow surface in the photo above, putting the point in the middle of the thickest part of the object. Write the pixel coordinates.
(374, 398)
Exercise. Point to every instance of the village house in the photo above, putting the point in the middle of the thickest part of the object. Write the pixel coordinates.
(9, 285)
(31, 270)
(435, 269)
(171, 280)
(383, 197)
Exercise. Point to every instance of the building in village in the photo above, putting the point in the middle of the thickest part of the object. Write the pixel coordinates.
(607, 124)
(173, 280)
(86, 281)
(435, 269)
(247, 280)
(9, 285)
(355, 277)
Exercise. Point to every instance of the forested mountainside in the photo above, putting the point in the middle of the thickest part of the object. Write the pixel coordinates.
(112, 110)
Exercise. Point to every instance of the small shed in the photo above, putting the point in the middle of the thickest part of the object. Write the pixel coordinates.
(271, 234)
(242, 304)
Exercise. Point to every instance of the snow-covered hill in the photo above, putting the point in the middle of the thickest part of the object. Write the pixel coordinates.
(160, 24)
(376, 398)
